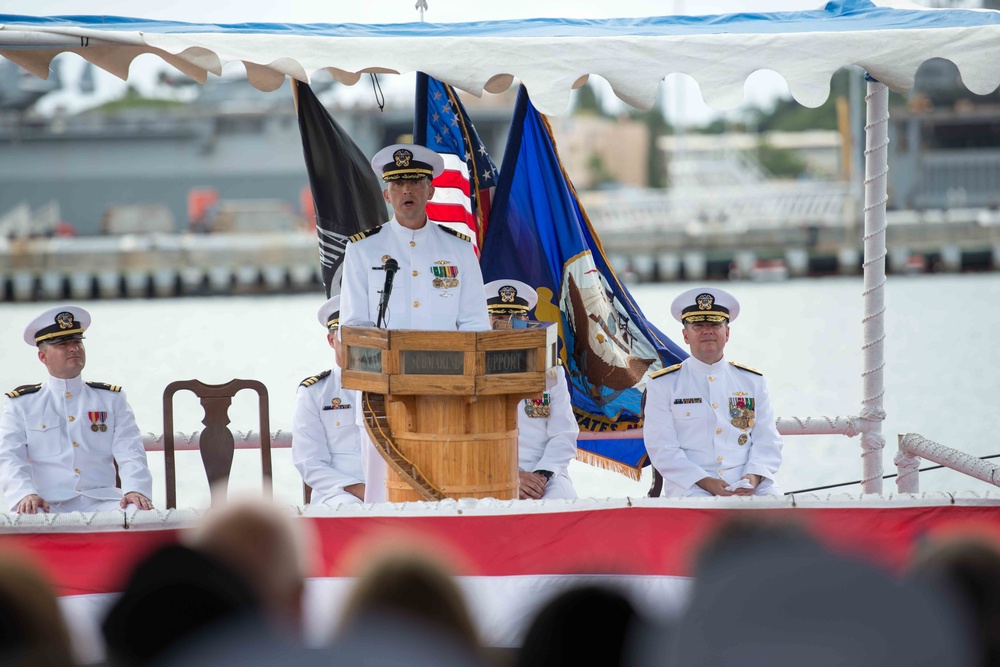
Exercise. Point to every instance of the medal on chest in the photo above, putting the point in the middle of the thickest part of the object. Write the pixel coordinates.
(742, 411)
(337, 404)
(537, 408)
(445, 276)
(97, 420)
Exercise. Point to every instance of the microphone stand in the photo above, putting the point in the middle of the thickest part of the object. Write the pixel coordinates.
(390, 267)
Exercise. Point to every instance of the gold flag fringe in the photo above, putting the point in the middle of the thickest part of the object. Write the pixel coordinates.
(598, 461)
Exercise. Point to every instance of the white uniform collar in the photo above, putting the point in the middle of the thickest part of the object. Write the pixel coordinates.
(702, 367)
(408, 234)
(60, 385)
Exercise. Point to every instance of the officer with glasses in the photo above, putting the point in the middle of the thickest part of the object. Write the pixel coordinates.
(61, 438)
(547, 429)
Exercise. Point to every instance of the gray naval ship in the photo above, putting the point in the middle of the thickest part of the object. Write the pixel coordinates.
(144, 197)
(141, 197)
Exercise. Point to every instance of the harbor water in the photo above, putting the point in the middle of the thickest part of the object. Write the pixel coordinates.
(941, 369)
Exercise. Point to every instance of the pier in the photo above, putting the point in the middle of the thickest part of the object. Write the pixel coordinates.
(160, 265)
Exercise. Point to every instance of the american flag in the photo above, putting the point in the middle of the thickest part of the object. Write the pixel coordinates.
(464, 192)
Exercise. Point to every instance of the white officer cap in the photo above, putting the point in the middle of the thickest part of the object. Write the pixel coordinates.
(703, 304)
(509, 296)
(407, 162)
(59, 323)
(329, 313)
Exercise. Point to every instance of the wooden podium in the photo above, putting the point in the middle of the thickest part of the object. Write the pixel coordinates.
(441, 406)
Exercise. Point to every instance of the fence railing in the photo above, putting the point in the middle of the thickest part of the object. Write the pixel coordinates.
(914, 447)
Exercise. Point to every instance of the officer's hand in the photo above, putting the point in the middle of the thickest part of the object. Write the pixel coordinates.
(715, 486)
(137, 499)
(31, 503)
(755, 480)
(532, 485)
(356, 490)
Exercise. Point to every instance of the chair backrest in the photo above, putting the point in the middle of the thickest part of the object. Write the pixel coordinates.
(216, 441)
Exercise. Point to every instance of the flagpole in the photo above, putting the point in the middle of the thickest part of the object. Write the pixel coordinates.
(421, 7)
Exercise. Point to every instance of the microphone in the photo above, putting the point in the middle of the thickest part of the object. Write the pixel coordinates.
(390, 267)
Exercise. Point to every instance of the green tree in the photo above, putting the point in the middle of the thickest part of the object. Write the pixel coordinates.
(587, 102)
(781, 162)
(656, 163)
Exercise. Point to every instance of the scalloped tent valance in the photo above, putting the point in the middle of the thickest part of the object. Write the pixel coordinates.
(551, 56)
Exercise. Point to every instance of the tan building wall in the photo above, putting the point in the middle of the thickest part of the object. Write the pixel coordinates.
(589, 145)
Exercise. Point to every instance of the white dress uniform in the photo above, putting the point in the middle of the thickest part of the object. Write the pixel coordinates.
(689, 426)
(439, 286)
(328, 436)
(547, 432)
(48, 446)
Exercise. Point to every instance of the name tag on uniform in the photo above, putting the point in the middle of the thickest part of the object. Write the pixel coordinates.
(685, 401)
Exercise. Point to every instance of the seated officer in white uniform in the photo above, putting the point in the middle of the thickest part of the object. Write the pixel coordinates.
(439, 285)
(328, 436)
(709, 425)
(60, 439)
(547, 429)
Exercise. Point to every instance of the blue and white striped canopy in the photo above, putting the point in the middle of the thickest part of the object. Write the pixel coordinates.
(889, 39)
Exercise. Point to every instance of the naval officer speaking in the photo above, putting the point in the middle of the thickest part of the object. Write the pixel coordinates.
(709, 424)
(429, 273)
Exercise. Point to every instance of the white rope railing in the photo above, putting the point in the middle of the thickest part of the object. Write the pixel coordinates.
(913, 447)
(849, 426)
(873, 389)
(280, 439)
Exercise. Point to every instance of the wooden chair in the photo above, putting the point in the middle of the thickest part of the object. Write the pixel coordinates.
(216, 441)
(656, 488)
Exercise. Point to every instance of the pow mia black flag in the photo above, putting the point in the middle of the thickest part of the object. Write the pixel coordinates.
(346, 192)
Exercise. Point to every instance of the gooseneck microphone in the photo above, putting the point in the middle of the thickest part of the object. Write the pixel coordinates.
(390, 267)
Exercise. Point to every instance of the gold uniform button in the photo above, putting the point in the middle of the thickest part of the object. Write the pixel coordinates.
(415, 272)
(714, 406)
(77, 470)
(413, 244)
(71, 418)
(718, 431)
(69, 394)
(416, 304)
(337, 424)
(687, 414)
(719, 459)
(43, 425)
(76, 444)
(711, 378)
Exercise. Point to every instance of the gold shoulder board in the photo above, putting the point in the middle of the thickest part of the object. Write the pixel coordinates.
(313, 379)
(664, 371)
(454, 233)
(365, 234)
(24, 389)
(746, 368)
(104, 385)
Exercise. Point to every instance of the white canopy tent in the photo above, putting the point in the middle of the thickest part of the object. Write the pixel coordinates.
(889, 39)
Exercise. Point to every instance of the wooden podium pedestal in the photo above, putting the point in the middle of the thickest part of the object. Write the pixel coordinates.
(441, 406)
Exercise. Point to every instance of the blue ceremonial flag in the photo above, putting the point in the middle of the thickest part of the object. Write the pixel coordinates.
(540, 234)
(464, 192)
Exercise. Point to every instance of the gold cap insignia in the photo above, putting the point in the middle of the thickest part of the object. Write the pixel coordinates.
(65, 320)
(402, 157)
(507, 294)
(705, 301)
